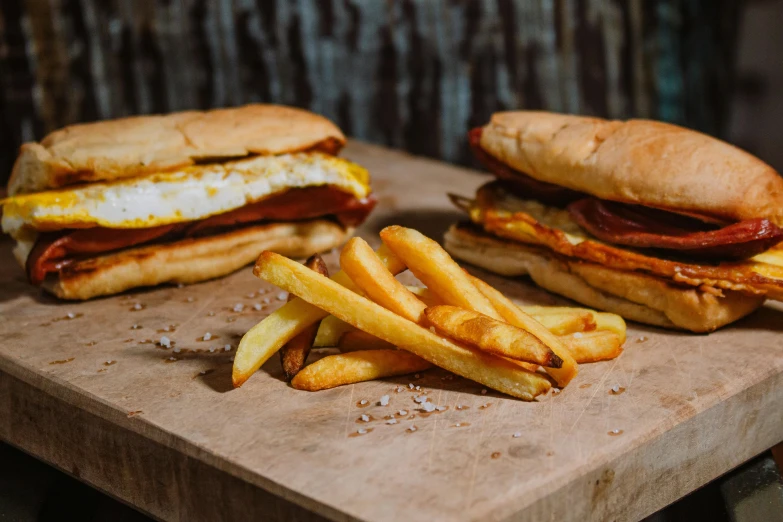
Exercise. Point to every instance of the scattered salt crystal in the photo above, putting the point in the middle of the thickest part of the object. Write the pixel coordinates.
(165, 341)
(135, 327)
(238, 307)
(517, 435)
(212, 350)
(458, 425)
(227, 348)
(257, 306)
(166, 328)
(384, 400)
(440, 408)
(412, 428)
(190, 299)
(616, 432)
(428, 407)
(172, 358)
(484, 391)
(578, 335)
(616, 388)
(361, 431)
(365, 418)
(207, 336)
(410, 385)
(282, 296)
(556, 390)
(460, 406)
(251, 295)
(70, 315)
(641, 339)
(391, 421)
(266, 300)
(402, 412)
(420, 399)
(211, 314)
(398, 389)
(177, 350)
(137, 306)
(363, 402)
(417, 388)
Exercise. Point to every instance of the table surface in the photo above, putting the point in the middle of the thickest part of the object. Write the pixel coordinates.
(165, 432)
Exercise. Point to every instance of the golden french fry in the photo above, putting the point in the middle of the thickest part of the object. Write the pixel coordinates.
(331, 330)
(368, 273)
(436, 269)
(567, 322)
(490, 370)
(294, 353)
(490, 335)
(603, 320)
(358, 341)
(514, 315)
(350, 368)
(425, 295)
(267, 337)
(593, 346)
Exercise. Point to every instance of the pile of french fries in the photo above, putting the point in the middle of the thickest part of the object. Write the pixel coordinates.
(384, 328)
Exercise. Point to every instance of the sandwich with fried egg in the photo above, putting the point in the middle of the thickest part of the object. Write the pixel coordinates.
(660, 224)
(99, 208)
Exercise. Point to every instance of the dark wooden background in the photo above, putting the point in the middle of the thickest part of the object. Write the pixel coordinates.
(414, 74)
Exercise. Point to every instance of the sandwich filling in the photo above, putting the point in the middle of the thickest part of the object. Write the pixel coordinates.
(55, 229)
(688, 250)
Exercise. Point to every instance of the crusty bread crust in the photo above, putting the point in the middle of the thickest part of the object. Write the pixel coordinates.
(128, 147)
(192, 260)
(635, 296)
(638, 161)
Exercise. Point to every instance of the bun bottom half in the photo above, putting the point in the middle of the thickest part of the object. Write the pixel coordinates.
(192, 260)
(635, 296)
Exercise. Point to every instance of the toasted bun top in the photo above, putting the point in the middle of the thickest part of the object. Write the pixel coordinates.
(638, 161)
(128, 147)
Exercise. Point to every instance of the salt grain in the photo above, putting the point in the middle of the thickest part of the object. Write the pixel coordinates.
(556, 391)
(165, 341)
(257, 307)
(412, 428)
(417, 388)
(212, 350)
(177, 350)
(641, 339)
(137, 306)
(282, 296)
(172, 358)
(420, 399)
(402, 412)
(428, 407)
(616, 388)
(207, 336)
(460, 406)
(457, 425)
(266, 300)
(70, 315)
(391, 421)
(398, 389)
(227, 348)
(410, 385)
(135, 327)
(517, 435)
(578, 335)
(616, 432)
(384, 400)
(238, 307)
(361, 431)
(251, 295)
(440, 408)
(211, 314)
(363, 402)
(190, 299)
(365, 418)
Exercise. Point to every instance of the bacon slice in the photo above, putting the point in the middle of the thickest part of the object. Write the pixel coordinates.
(643, 227)
(55, 250)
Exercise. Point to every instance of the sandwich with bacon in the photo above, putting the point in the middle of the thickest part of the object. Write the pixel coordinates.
(657, 223)
(99, 208)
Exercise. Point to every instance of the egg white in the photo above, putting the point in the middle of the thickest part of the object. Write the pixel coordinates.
(188, 194)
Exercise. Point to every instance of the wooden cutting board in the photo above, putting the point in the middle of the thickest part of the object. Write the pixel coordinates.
(82, 388)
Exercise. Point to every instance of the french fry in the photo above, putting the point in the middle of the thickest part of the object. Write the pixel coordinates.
(593, 346)
(349, 368)
(436, 269)
(603, 320)
(294, 353)
(358, 341)
(515, 316)
(267, 337)
(424, 295)
(492, 336)
(331, 331)
(368, 273)
(490, 370)
(567, 323)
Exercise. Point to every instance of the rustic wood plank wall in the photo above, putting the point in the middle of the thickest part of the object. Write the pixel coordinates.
(414, 74)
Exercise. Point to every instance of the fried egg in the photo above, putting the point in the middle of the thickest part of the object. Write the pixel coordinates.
(187, 194)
